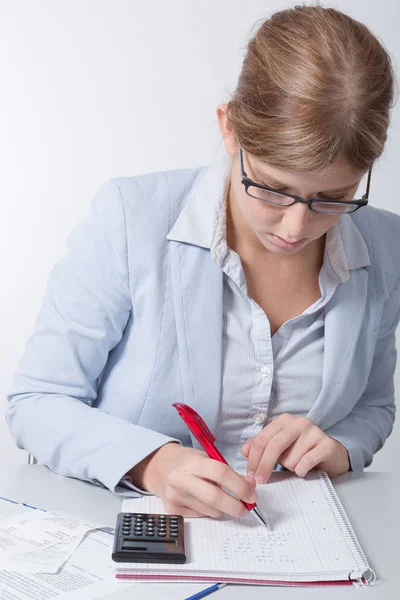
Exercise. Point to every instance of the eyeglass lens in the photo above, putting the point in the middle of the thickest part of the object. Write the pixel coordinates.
(282, 200)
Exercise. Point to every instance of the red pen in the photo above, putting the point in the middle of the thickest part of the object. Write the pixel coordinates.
(206, 440)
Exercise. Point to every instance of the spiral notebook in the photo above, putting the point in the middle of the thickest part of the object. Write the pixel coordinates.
(309, 540)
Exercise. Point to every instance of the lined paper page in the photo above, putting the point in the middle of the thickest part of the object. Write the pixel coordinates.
(302, 541)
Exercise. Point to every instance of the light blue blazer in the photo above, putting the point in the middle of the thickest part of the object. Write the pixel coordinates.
(132, 322)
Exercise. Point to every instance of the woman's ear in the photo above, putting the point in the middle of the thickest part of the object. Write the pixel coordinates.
(231, 144)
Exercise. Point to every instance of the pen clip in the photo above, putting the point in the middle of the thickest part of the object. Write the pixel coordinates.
(195, 423)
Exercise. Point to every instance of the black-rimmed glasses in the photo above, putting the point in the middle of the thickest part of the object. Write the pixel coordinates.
(280, 198)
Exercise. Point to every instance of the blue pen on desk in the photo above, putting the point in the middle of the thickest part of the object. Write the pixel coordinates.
(209, 590)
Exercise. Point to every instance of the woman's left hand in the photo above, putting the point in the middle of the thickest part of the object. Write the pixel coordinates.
(297, 444)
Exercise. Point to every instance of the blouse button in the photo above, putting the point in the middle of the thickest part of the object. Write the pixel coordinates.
(259, 418)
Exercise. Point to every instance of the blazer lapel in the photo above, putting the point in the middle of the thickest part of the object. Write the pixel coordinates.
(197, 285)
(343, 319)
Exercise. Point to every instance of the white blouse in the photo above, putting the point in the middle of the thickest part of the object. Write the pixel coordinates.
(264, 376)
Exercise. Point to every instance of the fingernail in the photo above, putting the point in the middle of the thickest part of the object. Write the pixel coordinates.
(260, 478)
(253, 498)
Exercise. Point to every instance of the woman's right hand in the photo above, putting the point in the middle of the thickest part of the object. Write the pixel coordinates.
(190, 483)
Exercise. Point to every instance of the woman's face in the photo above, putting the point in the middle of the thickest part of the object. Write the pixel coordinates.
(287, 230)
(283, 231)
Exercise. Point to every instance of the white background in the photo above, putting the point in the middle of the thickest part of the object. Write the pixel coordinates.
(93, 89)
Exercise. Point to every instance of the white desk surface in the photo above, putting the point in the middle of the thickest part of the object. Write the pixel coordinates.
(371, 500)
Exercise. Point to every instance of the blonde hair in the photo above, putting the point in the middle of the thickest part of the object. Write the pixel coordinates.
(316, 86)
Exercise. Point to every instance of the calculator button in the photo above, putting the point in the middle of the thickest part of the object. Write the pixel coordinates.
(162, 534)
(174, 534)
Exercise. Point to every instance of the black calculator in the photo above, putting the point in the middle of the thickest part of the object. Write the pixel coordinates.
(141, 537)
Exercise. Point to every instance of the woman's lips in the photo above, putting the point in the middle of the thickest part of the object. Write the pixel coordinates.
(285, 244)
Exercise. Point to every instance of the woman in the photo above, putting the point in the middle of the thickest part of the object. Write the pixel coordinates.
(259, 290)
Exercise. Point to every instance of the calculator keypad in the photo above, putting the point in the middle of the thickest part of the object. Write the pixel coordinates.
(150, 526)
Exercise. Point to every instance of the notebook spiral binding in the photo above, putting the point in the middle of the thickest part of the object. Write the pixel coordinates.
(368, 575)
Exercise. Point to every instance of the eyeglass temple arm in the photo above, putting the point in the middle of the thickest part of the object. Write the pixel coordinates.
(366, 195)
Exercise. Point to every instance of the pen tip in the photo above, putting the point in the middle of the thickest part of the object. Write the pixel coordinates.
(259, 516)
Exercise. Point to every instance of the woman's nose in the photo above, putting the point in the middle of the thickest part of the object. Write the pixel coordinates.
(297, 218)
